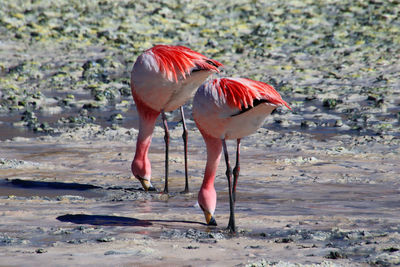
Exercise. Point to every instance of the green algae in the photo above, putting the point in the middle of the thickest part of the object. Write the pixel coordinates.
(306, 48)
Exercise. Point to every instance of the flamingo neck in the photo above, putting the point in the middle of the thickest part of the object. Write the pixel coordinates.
(146, 127)
(214, 148)
(147, 119)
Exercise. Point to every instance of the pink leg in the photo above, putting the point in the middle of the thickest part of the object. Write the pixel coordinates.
(231, 224)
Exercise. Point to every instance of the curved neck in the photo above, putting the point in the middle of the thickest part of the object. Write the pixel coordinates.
(146, 127)
(147, 121)
(214, 148)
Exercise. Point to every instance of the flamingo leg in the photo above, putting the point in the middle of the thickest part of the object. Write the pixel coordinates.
(166, 139)
(236, 170)
(185, 148)
(231, 224)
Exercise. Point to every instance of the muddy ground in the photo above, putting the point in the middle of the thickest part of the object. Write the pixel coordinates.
(319, 184)
(69, 200)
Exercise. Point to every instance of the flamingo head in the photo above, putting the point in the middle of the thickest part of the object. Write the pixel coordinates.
(209, 218)
(142, 171)
(207, 201)
(146, 184)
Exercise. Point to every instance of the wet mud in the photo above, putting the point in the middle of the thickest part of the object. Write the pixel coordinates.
(324, 205)
(319, 185)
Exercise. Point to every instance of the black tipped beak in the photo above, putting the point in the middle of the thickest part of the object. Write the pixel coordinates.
(212, 222)
(146, 184)
(152, 189)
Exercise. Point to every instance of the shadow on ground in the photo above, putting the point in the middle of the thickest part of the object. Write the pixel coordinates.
(51, 185)
(28, 188)
(105, 220)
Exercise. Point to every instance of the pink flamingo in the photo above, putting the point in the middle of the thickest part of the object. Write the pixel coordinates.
(228, 108)
(163, 78)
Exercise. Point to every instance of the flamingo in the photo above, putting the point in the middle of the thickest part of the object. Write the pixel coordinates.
(228, 108)
(163, 78)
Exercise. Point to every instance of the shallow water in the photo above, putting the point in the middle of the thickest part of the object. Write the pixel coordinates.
(341, 208)
(322, 199)
(81, 193)
(312, 111)
(256, 196)
(64, 195)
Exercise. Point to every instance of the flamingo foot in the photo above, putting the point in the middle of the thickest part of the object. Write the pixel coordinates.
(231, 228)
(186, 191)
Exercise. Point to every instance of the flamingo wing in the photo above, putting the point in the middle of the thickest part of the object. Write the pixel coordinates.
(175, 61)
(244, 94)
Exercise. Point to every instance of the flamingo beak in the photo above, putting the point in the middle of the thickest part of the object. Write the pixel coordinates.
(210, 218)
(147, 186)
